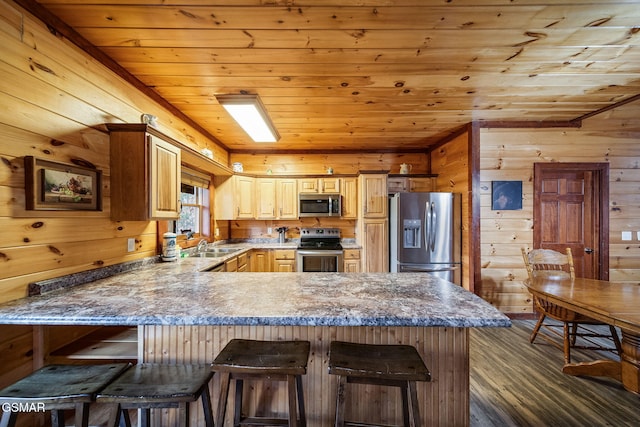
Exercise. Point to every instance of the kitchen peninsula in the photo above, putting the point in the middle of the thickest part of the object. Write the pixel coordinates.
(185, 314)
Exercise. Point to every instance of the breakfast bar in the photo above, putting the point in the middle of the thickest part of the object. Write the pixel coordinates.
(186, 315)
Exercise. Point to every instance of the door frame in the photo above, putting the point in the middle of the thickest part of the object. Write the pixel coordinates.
(600, 211)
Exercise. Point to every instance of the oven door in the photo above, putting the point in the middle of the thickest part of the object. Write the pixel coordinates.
(319, 261)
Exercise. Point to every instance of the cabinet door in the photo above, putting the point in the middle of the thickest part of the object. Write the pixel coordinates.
(260, 261)
(308, 185)
(265, 198)
(244, 196)
(287, 198)
(164, 177)
(352, 266)
(374, 195)
(330, 185)
(375, 250)
(396, 185)
(421, 184)
(349, 198)
(285, 266)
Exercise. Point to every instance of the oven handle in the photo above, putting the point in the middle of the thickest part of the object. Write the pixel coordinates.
(320, 252)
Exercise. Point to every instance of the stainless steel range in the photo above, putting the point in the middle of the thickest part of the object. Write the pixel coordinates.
(320, 250)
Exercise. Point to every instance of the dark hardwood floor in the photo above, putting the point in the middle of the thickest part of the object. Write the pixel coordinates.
(515, 383)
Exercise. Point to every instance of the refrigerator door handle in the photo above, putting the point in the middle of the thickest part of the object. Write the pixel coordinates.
(427, 226)
(434, 225)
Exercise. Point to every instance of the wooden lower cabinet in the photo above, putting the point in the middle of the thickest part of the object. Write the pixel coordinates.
(260, 261)
(243, 262)
(375, 243)
(284, 261)
(352, 261)
(231, 265)
(443, 402)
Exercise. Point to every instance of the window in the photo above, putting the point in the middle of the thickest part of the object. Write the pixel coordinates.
(195, 212)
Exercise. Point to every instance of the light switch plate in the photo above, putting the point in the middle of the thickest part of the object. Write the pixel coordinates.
(626, 235)
(131, 245)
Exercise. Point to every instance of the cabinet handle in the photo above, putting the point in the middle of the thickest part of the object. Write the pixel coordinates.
(238, 211)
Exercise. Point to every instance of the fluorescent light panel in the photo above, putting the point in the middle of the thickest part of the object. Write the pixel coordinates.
(249, 112)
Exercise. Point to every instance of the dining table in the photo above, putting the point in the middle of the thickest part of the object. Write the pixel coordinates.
(613, 303)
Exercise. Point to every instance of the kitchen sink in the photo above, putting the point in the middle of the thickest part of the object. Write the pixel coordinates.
(208, 254)
(215, 252)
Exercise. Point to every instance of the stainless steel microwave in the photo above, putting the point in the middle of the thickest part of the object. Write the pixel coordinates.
(319, 205)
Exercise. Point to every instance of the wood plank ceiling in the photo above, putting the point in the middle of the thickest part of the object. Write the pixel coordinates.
(370, 75)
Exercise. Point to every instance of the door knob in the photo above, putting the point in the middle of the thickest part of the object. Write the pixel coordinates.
(588, 250)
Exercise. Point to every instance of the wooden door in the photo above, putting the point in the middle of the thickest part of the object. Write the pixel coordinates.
(571, 211)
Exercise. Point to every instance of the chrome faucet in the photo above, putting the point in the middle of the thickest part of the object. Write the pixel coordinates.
(202, 246)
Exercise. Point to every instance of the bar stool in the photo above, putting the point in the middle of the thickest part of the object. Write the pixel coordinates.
(273, 360)
(155, 385)
(56, 388)
(388, 365)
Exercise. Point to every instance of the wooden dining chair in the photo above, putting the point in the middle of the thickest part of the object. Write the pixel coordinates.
(555, 265)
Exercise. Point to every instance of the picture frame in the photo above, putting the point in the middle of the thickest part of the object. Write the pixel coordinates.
(506, 195)
(60, 187)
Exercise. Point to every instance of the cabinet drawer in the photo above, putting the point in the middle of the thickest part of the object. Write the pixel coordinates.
(231, 265)
(352, 254)
(285, 254)
(242, 259)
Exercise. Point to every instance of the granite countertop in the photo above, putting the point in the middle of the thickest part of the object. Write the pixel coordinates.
(177, 293)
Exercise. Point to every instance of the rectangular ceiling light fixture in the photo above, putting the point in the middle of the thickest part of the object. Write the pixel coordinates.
(251, 115)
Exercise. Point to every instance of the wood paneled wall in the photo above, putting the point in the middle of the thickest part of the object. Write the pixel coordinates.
(509, 154)
(311, 163)
(54, 100)
(451, 162)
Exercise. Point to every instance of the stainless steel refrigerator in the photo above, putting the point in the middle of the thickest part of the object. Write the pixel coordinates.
(426, 235)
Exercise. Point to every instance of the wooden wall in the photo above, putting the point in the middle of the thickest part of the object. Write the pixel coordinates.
(451, 162)
(54, 100)
(310, 164)
(509, 154)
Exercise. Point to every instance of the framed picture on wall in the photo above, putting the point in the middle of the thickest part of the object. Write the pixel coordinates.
(506, 195)
(57, 186)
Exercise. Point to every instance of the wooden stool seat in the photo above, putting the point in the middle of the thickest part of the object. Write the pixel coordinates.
(59, 387)
(274, 360)
(387, 365)
(153, 385)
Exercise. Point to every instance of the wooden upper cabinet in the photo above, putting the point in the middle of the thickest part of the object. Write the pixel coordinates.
(266, 198)
(373, 195)
(319, 185)
(404, 184)
(234, 197)
(349, 198)
(145, 174)
(287, 198)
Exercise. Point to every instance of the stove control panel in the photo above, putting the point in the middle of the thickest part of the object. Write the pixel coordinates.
(320, 232)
